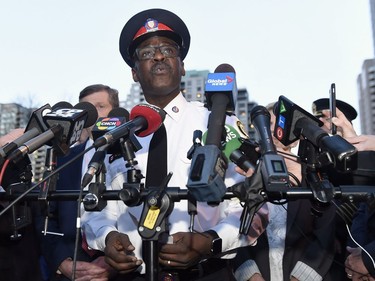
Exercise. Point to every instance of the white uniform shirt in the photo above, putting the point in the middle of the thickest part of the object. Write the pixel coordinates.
(182, 119)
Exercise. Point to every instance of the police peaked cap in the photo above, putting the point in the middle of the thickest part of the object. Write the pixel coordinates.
(153, 22)
(348, 110)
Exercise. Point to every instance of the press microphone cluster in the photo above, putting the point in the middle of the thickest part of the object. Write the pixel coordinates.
(208, 166)
(116, 117)
(55, 126)
(111, 131)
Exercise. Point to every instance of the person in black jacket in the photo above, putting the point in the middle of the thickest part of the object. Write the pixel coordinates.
(58, 243)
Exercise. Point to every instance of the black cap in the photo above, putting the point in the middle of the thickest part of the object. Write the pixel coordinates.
(153, 22)
(348, 110)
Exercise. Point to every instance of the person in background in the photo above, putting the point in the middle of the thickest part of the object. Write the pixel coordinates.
(296, 244)
(154, 43)
(360, 250)
(345, 115)
(59, 242)
(343, 120)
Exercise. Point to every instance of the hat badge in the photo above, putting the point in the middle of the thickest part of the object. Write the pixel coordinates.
(151, 24)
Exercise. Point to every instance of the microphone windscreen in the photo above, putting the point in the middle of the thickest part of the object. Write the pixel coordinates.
(61, 104)
(92, 113)
(232, 140)
(224, 67)
(259, 110)
(153, 115)
(119, 112)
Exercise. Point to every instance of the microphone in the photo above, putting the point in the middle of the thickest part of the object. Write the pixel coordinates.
(292, 121)
(272, 166)
(144, 120)
(95, 165)
(92, 113)
(221, 94)
(73, 121)
(260, 118)
(208, 166)
(116, 117)
(234, 149)
(287, 114)
(65, 128)
(61, 104)
(223, 80)
(35, 126)
(30, 146)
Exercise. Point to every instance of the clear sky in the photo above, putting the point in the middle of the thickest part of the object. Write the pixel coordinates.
(52, 49)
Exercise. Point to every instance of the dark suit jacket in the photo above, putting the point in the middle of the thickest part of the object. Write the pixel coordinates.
(19, 259)
(363, 226)
(63, 216)
(308, 239)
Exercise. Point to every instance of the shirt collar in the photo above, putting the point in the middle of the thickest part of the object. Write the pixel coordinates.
(176, 107)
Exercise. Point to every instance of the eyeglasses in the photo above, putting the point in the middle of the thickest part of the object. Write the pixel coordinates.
(148, 52)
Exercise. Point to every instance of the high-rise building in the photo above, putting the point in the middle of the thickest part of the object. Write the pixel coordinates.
(193, 83)
(366, 86)
(134, 97)
(372, 10)
(366, 90)
(12, 116)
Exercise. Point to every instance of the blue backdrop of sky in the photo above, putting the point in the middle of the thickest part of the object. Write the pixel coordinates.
(50, 49)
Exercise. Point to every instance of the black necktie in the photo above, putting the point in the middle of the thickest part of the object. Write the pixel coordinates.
(157, 158)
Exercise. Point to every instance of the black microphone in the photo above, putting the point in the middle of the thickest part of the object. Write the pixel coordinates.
(94, 165)
(116, 117)
(342, 154)
(260, 118)
(61, 104)
(73, 121)
(208, 166)
(145, 119)
(272, 166)
(30, 146)
(92, 113)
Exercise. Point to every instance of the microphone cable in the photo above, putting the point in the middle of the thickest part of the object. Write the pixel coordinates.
(3, 168)
(78, 224)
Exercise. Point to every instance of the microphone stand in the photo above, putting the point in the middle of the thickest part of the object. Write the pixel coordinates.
(159, 202)
(153, 223)
(49, 184)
